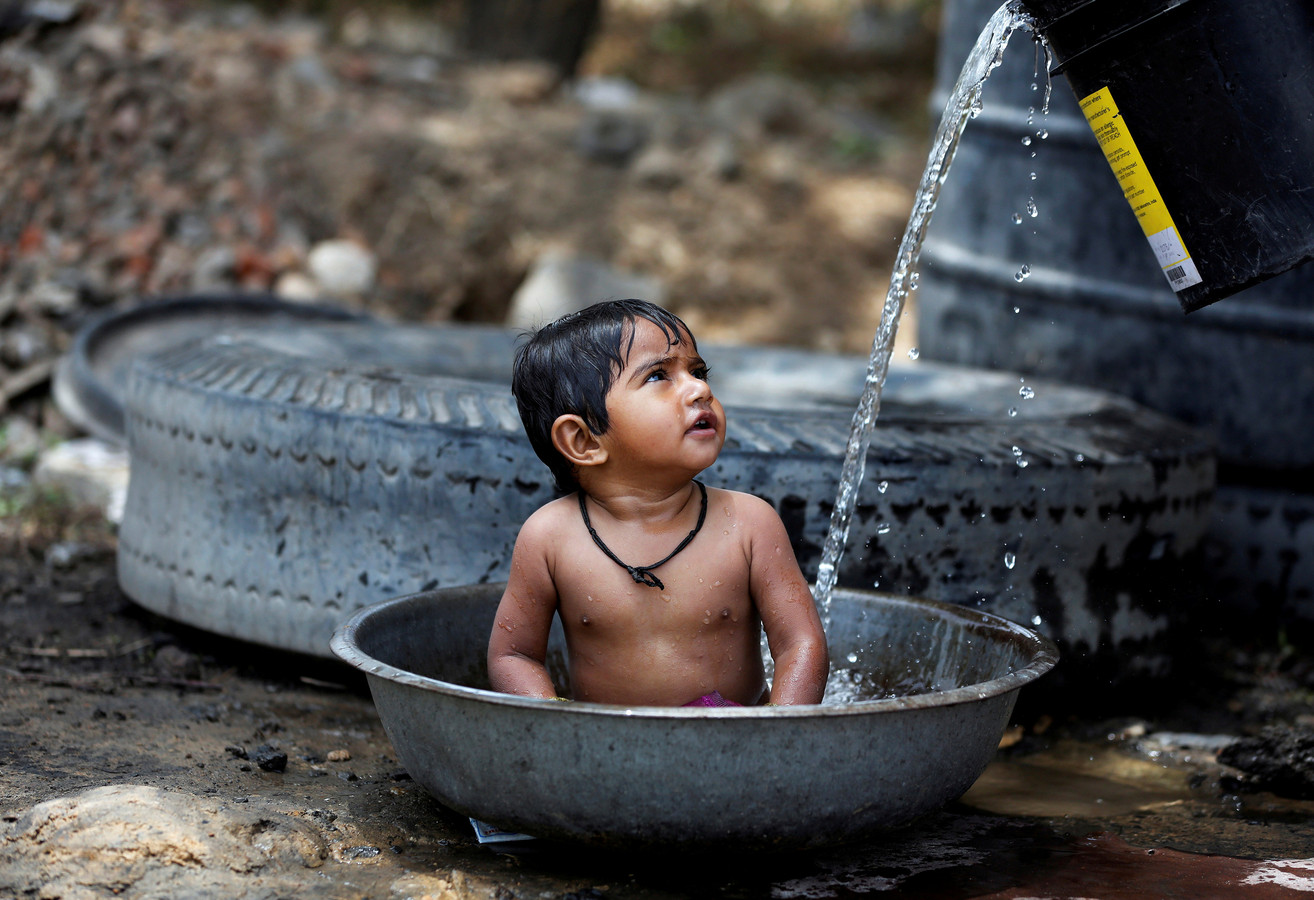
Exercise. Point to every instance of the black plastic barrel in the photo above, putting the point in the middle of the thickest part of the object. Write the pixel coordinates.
(1205, 109)
(1074, 294)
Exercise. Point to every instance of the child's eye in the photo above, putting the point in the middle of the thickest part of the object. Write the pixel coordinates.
(702, 372)
(655, 375)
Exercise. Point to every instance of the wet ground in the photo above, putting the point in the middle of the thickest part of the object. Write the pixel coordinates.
(141, 758)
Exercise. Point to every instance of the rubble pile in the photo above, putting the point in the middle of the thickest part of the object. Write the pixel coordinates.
(155, 148)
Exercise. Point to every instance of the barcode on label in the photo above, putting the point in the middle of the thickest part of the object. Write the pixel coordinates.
(1176, 274)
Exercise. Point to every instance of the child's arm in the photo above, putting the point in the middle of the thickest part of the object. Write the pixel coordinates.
(518, 644)
(789, 616)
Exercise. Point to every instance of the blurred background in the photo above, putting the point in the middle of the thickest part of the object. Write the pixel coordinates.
(750, 162)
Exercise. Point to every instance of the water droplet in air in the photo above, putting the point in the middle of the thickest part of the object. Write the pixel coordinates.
(1012, 411)
(1032, 209)
(1036, 620)
(852, 657)
(1010, 560)
(1026, 392)
(913, 353)
(1017, 451)
(1021, 274)
(1016, 310)
(1022, 463)
(883, 528)
(1042, 133)
(1080, 457)
(883, 486)
(1017, 218)
(914, 280)
(1026, 141)
(1035, 86)
(1033, 176)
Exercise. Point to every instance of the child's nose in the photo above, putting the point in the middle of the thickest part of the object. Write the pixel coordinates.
(698, 389)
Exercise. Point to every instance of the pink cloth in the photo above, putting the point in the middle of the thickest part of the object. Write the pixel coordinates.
(712, 699)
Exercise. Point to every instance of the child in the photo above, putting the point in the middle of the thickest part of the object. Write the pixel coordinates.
(616, 401)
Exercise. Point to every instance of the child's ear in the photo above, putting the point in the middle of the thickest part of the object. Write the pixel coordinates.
(575, 441)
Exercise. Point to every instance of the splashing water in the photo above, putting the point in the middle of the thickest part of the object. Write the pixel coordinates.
(964, 103)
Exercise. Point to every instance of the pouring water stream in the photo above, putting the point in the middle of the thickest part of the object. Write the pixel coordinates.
(964, 103)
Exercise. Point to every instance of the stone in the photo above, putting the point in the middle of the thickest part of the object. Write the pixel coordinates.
(520, 82)
(762, 105)
(609, 135)
(216, 267)
(53, 297)
(89, 471)
(659, 167)
(19, 439)
(1279, 759)
(561, 284)
(296, 286)
(342, 267)
(146, 842)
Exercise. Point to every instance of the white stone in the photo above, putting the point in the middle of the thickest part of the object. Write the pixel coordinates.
(296, 286)
(342, 267)
(90, 472)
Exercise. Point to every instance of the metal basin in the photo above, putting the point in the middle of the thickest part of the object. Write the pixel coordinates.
(745, 777)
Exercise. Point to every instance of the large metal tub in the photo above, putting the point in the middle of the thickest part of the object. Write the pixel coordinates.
(747, 777)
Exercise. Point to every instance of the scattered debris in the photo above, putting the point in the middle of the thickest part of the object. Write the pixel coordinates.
(1279, 759)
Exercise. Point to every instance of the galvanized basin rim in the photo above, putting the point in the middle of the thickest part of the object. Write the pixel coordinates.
(1044, 657)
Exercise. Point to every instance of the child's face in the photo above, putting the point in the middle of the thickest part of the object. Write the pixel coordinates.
(662, 413)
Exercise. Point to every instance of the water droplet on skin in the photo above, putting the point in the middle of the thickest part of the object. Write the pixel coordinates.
(883, 528)
(1017, 218)
(913, 353)
(1026, 140)
(1012, 411)
(716, 583)
(1010, 559)
(707, 621)
(1026, 392)
(852, 657)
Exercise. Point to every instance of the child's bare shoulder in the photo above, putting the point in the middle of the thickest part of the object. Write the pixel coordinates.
(549, 518)
(750, 507)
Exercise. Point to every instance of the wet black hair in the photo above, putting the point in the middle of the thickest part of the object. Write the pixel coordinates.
(568, 366)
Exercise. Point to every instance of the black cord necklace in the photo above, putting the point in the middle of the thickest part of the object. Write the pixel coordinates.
(643, 574)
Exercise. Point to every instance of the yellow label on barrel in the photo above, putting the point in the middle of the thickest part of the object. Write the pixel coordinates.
(1139, 189)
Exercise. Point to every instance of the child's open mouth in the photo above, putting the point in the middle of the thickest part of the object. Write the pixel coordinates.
(706, 422)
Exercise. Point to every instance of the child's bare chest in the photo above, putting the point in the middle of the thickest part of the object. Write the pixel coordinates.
(705, 586)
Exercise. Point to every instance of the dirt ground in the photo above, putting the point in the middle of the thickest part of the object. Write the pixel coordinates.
(151, 147)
